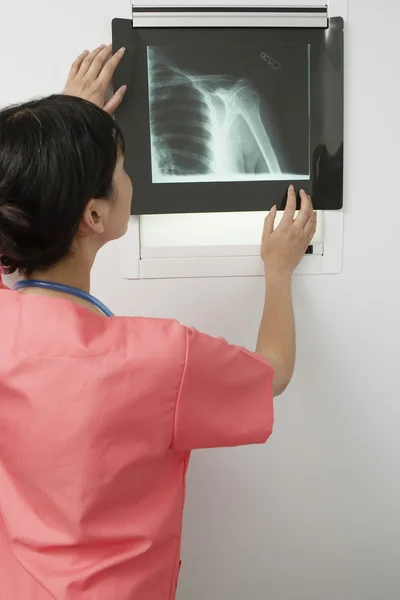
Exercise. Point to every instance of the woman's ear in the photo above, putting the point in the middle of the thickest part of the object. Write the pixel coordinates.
(95, 216)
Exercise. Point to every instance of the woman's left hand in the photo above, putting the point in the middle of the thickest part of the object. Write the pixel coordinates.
(91, 74)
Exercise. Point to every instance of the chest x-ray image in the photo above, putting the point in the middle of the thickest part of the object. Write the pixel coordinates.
(229, 113)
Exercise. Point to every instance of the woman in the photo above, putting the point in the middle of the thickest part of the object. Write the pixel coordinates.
(98, 415)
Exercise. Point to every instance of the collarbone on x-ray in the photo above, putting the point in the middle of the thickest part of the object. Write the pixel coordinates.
(207, 127)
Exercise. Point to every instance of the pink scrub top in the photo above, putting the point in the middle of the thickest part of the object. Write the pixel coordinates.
(97, 420)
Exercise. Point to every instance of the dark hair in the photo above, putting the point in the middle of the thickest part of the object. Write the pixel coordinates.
(56, 154)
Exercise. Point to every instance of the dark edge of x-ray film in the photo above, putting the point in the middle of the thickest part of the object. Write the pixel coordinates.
(224, 119)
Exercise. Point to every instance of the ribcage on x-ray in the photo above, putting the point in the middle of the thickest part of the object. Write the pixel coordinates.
(208, 125)
(181, 125)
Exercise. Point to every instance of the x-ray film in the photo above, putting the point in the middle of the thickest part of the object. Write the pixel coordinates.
(222, 117)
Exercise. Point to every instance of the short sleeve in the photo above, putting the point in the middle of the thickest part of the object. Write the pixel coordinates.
(225, 398)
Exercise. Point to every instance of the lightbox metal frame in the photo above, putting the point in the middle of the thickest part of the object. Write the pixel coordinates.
(204, 15)
(329, 256)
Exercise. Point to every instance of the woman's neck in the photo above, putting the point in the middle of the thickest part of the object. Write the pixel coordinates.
(73, 271)
(70, 271)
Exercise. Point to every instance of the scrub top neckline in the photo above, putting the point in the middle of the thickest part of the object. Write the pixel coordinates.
(82, 308)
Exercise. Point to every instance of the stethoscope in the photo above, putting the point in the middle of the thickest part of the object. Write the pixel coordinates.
(65, 289)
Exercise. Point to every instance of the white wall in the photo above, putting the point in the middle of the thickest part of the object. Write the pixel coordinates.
(313, 515)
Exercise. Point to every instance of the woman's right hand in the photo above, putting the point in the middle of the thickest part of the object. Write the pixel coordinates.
(91, 74)
(283, 248)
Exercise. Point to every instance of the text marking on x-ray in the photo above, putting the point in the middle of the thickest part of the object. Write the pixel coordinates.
(275, 64)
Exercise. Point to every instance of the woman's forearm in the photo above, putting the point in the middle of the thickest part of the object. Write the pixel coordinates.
(277, 338)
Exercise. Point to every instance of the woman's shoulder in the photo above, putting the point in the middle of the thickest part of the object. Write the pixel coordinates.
(159, 325)
(147, 332)
(56, 327)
